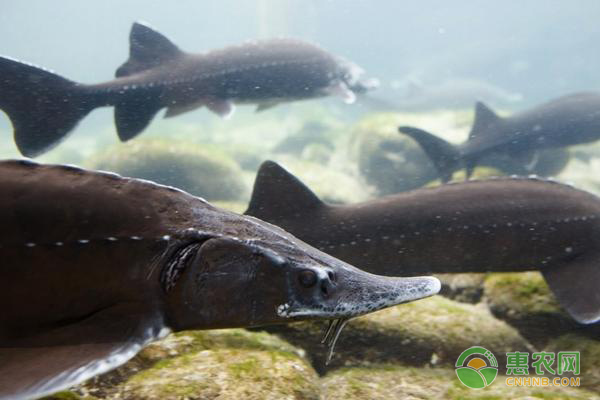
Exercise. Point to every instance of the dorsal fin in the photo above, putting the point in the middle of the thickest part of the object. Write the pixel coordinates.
(484, 118)
(277, 194)
(147, 49)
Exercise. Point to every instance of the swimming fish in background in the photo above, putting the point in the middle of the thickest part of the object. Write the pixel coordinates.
(95, 266)
(501, 225)
(566, 121)
(45, 107)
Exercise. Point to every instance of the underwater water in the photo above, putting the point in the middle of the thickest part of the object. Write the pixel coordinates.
(484, 89)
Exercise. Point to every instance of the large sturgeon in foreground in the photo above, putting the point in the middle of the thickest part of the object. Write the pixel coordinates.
(45, 107)
(503, 224)
(94, 266)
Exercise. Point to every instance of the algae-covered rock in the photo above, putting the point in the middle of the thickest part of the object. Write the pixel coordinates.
(201, 171)
(312, 132)
(467, 288)
(387, 160)
(589, 349)
(225, 373)
(231, 363)
(525, 301)
(399, 382)
(67, 395)
(431, 331)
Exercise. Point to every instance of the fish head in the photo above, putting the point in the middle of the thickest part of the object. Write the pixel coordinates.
(352, 76)
(234, 282)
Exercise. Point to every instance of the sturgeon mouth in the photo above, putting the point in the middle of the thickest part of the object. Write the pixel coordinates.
(361, 295)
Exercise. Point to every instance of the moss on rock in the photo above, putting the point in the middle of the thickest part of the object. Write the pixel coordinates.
(250, 373)
(230, 363)
(389, 161)
(201, 171)
(398, 382)
(466, 288)
(589, 348)
(525, 301)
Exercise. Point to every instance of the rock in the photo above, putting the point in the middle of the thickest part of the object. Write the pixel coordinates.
(317, 152)
(466, 288)
(66, 395)
(204, 172)
(589, 348)
(312, 132)
(232, 363)
(433, 331)
(389, 161)
(400, 382)
(525, 301)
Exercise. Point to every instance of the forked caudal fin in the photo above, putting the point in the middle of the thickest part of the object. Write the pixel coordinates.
(445, 156)
(277, 194)
(147, 49)
(42, 106)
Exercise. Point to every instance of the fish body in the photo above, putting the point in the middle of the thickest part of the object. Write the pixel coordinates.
(504, 224)
(95, 266)
(45, 107)
(566, 121)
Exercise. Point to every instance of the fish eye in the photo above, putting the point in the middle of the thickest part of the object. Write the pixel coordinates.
(307, 278)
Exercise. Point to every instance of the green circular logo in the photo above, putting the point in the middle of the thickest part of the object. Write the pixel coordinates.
(479, 372)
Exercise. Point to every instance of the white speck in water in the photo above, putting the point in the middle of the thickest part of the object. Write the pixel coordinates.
(568, 249)
(136, 238)
(58, 243)
(111, 239)
(83, 241)
(30, 244)
(166, 237)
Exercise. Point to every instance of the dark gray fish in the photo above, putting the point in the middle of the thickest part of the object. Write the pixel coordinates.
(566, 121)
(503, 224)
(95, 266)
(45, 107)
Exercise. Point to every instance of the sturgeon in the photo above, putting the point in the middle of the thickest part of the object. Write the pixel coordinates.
(502, 224)
(95, 266)
(45, 107)
(566, 121)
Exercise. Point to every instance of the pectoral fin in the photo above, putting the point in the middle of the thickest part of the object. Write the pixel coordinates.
(343, 91)
(223, 108)
(180, 108)
(575, 285)
(55, 359)
(265, 106)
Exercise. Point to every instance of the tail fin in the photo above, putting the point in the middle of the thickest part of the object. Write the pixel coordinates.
(445, 156)
(277, 194)
(42, 106)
